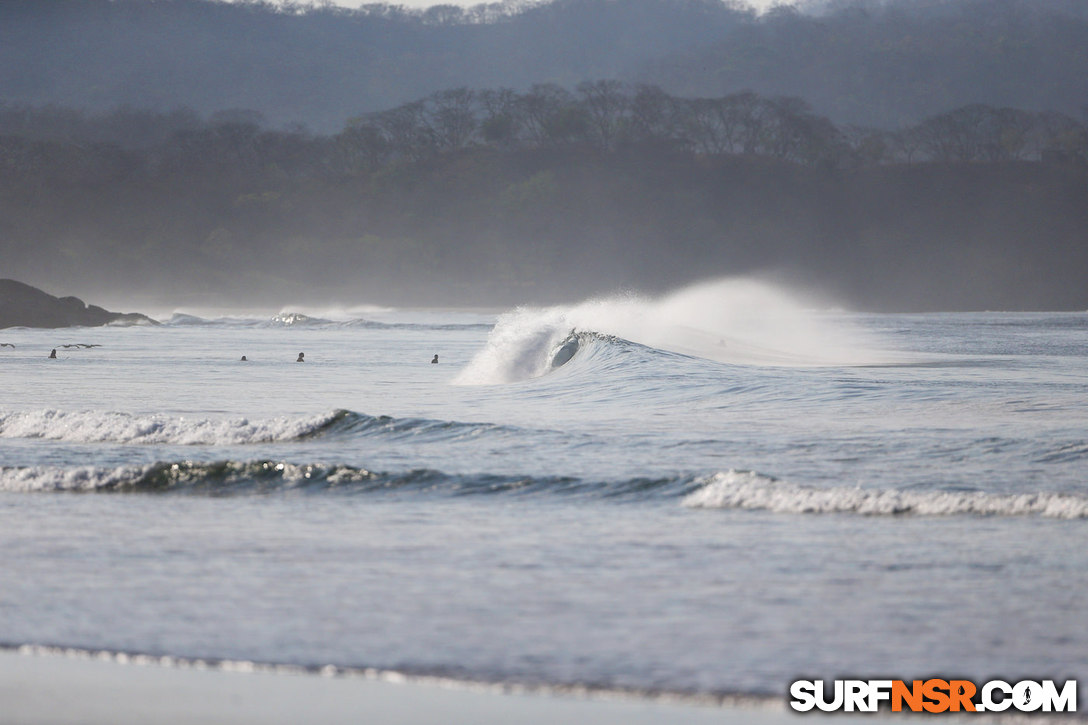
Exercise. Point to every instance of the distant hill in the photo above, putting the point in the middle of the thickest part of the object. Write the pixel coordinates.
(24, 306)
(893, 63)
(231, 215)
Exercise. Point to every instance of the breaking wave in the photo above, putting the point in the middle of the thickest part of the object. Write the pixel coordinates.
(224, 478)
(739, 490)
(219, 478)
(111, 427)
(101, 427)
(741, 322)
(296, 319)
(300, 320)
(752, 491)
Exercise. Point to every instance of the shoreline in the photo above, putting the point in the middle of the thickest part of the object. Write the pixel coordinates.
(60, 686)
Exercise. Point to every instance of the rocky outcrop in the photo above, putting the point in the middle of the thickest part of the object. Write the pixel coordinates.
(24, 306)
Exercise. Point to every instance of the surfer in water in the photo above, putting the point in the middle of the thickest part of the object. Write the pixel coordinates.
(435, 360)
(53, 355)
(244, 359)
(301, 357)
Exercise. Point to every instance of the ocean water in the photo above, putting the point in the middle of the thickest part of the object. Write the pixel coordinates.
(709, 494)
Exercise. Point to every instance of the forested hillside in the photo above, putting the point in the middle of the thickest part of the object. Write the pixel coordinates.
(884, 64)
(496, 197)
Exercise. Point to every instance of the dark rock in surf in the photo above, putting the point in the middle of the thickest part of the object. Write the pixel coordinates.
(24, 306)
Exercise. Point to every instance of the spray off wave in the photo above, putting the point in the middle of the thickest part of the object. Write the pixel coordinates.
(736, 321)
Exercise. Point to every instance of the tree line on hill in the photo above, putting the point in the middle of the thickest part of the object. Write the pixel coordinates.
(604, 115)
(501, 197)
(598, 116)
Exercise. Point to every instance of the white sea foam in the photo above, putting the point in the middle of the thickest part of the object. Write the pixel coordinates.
(98, 426)
(80, 478)
(736, 321)
(749, 490)
(190, 476)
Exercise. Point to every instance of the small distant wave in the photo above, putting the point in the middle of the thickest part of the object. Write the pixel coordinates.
(296, 319)
(299, 320)
(751, 491)
(439, 326)
(1066, 453)
(281, 319)
(179, 319)
(132, 320)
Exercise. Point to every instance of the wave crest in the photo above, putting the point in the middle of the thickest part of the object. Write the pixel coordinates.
(101, 427)
(338, 319)
(126, 428)
(218, 478)
(740, 490)
(226, 478)
(752, 491)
